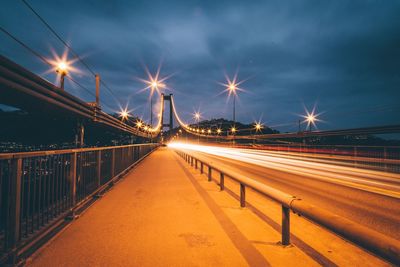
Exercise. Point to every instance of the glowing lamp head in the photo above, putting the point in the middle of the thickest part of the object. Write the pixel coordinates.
(154, 84)
(209, 131)
(146, 128)
(202, 131)
(310, 118)
(139, 124)
(258, 126)
(232, 87)
(62, 67)
(233, 129)
(124, 114)
(197, 115)
(219, 131)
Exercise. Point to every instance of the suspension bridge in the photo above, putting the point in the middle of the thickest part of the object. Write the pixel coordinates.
(110, 190)
(208, 198)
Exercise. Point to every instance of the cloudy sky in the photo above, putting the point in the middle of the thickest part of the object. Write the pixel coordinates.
(343, 57)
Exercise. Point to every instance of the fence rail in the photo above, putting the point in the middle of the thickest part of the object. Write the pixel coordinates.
(379, 244)
(37, 189)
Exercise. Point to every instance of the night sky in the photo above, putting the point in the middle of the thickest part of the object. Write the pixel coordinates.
(343, 57)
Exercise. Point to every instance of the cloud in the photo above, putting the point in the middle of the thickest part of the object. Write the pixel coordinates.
(340, 54)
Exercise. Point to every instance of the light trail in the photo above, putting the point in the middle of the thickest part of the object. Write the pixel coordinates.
(326, 170)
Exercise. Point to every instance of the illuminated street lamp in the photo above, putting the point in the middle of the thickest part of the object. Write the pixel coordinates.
(311, 118)
(124, 114)
(233, 130)
(154, 86)
(197, 118)
(209, 131)
(258, 127)
(232, 87)
(139, 124)
(62, 69)
(219, 131)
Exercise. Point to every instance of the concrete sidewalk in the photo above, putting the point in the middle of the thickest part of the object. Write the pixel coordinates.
(161, 215)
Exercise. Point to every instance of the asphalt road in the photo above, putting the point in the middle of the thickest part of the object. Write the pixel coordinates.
(371, 198)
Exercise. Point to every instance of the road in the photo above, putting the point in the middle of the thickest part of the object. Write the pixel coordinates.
(369, 197)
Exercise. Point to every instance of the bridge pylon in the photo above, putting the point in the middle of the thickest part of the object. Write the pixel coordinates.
(170, 124)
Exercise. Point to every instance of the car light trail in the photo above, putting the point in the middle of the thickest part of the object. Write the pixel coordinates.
(326, 170)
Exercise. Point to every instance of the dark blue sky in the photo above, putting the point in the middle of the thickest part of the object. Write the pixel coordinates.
(342, 56)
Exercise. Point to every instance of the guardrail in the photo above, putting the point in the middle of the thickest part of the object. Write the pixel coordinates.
(38, 190)
(377, 243)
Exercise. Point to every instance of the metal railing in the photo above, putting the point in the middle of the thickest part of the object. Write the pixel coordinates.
(38, 189)
(377, 243)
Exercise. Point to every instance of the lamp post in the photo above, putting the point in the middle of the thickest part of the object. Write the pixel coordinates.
(62, 69)
(232, 87)
(197, 118)
(310, 120)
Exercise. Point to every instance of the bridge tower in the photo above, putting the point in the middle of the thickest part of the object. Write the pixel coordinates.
(170, 125)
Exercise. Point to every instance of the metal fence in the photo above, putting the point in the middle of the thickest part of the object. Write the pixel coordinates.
(37, 189)
(379, 244)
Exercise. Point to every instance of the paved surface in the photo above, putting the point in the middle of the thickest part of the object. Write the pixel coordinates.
(164, 213)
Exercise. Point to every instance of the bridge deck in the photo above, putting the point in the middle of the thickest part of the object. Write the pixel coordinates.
(161, 215)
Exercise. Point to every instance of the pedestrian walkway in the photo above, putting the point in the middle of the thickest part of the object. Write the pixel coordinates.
(161, 215)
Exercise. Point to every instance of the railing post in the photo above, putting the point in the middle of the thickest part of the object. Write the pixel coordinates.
(196, 164)
(72, 184)
(14, 213)
(191, 161)
(242, 195)
(201, 168)
(98, 168)
(113, 162)
(221, 181)
(209, 173)
(285, 226)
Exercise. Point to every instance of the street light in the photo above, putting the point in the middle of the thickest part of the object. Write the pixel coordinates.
(154, 86)
(62, 69)
(311, 118)
(197, 118)
(124, 114)
(232, 87)
(139, 124)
